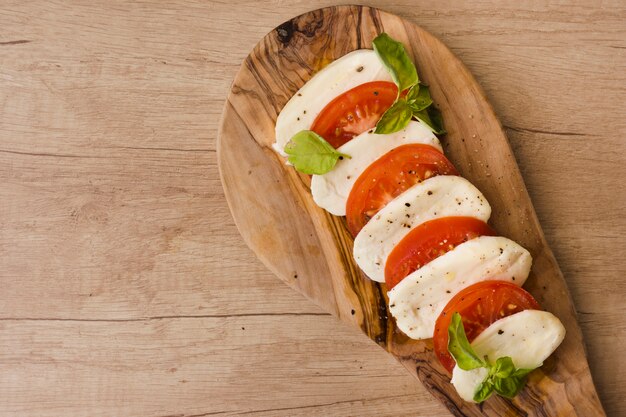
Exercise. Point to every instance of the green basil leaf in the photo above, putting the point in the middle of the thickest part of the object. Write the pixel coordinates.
(503, 378)
(419, 98)
(418, 101)
(395, 118)
(484, 391)
(431, 117)
(508, 387)
(394, 57)
(411, 95)
(460, 348)
(521, 373)
(311, 154)
(503, 368)
(437, 120)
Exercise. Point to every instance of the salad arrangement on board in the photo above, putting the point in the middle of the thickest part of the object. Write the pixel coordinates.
(365, 128)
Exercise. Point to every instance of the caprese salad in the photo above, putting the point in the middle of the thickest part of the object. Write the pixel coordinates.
(364, 127)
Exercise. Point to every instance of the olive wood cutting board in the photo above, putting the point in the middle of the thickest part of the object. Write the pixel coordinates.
(311, 250)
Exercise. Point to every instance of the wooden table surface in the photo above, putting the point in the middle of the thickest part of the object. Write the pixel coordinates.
(125, 288)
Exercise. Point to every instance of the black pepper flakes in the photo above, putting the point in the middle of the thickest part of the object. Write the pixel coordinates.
(500, 331)
(407, 204)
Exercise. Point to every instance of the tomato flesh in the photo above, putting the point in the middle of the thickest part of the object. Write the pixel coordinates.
(479, 306)
(354, 112)
(428, 241)
(390, 175)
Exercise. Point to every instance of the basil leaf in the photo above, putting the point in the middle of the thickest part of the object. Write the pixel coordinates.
(503, 368)
(508, 387)
(460, 348)
(419, 97)
(436, 119)
(418, 102)
(431, 117)
(520, 373)
(503, 378)
(411, 95)
(394, 57)
(311, 154)
(484, 391)
(506, 380)
(396, 118)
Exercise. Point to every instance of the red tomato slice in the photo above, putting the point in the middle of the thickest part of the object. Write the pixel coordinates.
(479, 305)
(428, 241)
(390, 175)
(354, 112)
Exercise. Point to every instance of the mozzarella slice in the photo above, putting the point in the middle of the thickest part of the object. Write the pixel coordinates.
(441, 196)
(528, 337)
(419, 298)
(330, 191)
(356, 68)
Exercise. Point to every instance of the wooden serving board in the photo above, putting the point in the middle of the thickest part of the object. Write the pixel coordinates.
(311, 250)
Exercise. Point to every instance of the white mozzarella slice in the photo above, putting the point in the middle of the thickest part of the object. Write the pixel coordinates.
(441, 196)
(330, 191)
(419, 298)
(528, 337)
(356, 68)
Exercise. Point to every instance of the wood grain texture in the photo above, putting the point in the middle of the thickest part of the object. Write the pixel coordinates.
(312, 251)
(121, 270)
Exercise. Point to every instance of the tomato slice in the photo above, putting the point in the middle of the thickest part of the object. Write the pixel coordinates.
(479, 305)
(390, 175)
(354, 112)
(428, 241)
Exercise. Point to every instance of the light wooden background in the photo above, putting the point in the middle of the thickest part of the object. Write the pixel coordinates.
(125, 288)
